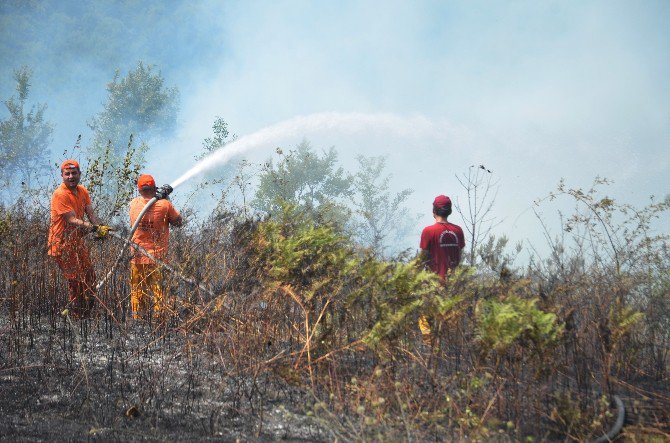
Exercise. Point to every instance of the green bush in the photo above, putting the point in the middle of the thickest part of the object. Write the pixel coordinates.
(503, 323)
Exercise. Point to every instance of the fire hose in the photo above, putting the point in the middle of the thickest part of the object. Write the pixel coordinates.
(164, 265)
(618, 424)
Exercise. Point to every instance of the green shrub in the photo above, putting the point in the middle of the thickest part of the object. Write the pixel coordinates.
(503, 323)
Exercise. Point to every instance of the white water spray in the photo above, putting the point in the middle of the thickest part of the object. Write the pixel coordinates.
(345, 123)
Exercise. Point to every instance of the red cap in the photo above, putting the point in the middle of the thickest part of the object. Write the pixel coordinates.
(441, 201)
(145, 180)
(67, 164)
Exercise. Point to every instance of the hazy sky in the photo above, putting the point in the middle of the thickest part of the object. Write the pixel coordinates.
(536, 91)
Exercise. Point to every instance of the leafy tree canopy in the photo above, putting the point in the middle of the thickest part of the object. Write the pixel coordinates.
(138, 104)
(220, 137)
(383, 216)
(307, 179)
(24, 135)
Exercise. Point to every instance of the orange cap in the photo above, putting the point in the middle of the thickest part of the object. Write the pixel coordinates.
(67, 164)
(145, 180)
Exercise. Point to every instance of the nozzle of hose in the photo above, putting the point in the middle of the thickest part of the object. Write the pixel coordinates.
(163, 191)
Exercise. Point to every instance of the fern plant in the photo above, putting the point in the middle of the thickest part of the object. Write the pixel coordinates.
(500, 324)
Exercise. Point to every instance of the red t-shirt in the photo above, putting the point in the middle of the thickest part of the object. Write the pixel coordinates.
(444, 242)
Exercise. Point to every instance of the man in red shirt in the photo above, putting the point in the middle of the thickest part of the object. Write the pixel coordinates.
(70, 202)
(441, 245)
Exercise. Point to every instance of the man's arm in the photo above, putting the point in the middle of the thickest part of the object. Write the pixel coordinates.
(176, 221)
(424, 257)
(461, 244)
(71, 218)
(173, 216)
(90, 213)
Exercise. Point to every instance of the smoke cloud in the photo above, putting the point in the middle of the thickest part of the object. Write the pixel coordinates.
(534, 91)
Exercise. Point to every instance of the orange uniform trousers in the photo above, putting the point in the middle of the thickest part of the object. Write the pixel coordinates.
(75, 263)
(145, 280)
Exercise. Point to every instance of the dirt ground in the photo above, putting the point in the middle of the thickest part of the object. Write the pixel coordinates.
(104, 380)
(69, 380)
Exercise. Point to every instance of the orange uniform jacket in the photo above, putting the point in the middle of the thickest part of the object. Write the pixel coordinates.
(62, 235)
(153, 232)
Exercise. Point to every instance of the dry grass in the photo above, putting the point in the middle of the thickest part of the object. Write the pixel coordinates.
(263, 360)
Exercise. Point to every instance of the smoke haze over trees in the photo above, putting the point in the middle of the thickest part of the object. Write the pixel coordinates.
(75, 48)
(496, 99)
(24, 136)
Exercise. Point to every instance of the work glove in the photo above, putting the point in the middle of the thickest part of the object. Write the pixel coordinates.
(163, 192)
(100, 230)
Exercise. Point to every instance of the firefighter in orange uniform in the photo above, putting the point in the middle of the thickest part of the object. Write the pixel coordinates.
(153, 235)
(69, 203)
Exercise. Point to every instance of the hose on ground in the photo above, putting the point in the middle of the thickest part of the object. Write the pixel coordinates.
(618, 424)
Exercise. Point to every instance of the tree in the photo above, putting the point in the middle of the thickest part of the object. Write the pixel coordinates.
(221, 137)
(139, 104)
(111, 180)
(383, 216)
(218, 177)
(24, 137)
(311, 181)
(481, 193)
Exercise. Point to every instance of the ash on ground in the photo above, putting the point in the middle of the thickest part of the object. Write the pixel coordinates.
(101, 380)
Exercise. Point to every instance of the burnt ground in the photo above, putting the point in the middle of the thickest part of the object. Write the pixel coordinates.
(64, 380)
(99, 380)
